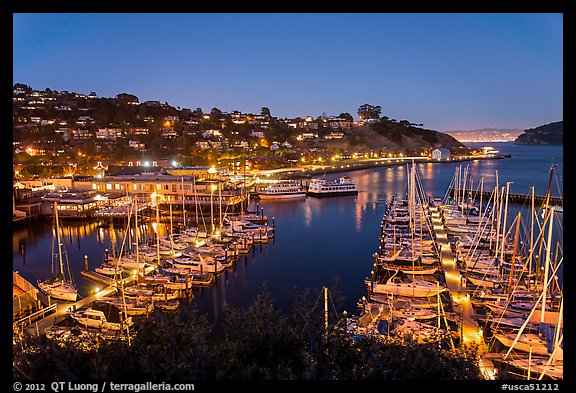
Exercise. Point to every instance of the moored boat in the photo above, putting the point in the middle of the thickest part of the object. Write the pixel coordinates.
(284, 189)
(320, 187)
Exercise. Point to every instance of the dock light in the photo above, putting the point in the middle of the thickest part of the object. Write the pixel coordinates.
(134, 273)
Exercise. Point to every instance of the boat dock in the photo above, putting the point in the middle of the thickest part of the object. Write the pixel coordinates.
(95, 276)
(470, 332)
(61, 310)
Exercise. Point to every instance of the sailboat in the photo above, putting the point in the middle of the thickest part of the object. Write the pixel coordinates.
(60, 285)
(536, 347)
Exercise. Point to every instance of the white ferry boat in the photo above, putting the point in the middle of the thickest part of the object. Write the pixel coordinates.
(342, 186)
(285, 189)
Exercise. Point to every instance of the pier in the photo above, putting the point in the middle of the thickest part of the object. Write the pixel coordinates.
(61, 310)
(455, 282)
(513, 198)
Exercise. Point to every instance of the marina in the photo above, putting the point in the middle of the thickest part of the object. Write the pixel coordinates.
(413, 234)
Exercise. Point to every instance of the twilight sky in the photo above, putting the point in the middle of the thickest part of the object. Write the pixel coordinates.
(448, 71)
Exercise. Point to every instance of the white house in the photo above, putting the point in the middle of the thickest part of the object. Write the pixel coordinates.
(441, 153)
(257, 134)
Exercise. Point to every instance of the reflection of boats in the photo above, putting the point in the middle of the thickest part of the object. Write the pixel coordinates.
(60, 285)
(321, 187)
(285, 189)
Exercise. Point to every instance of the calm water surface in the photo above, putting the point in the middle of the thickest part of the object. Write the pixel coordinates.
(318, 241)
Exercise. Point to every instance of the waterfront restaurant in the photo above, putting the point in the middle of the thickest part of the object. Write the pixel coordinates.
(170, 190)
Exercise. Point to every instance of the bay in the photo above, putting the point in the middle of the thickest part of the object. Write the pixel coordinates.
(319, 241)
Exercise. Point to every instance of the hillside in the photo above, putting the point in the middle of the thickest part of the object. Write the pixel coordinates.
(548, 134)
(401, 136)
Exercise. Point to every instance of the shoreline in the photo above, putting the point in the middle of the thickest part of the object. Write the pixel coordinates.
(308, 172)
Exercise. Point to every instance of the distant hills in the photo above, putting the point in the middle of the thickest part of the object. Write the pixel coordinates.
(486, 134)
(548, 134)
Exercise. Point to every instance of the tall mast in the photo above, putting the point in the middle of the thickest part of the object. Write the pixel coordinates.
(61, 262)
(183, 204)
(547, 263)
(196, 202)
(514, 253)
(504, 224)
(532, 238)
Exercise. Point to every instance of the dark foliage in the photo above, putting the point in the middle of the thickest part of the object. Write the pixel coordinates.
(259, 343)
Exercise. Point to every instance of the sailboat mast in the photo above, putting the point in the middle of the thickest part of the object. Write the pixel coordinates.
(514, 253)
(547, 200)
(547, 264)
(481, 214)
(504, 224)
(412, 223)
(136, 234)
(157, 228)
(220, 205)
(195, 201)
(60, 260)
(532, 238)
(183, 204)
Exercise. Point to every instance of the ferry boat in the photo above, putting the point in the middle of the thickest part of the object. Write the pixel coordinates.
(321, 187)
(282, 190)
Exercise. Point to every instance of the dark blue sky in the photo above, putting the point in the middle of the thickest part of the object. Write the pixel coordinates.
(447, 71)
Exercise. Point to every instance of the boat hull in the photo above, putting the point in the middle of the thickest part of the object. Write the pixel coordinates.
(60, 292)
(331, 193)
(288, 195)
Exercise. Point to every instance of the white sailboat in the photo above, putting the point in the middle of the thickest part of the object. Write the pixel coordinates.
(547, 340)
(409, 287)
(60, 285)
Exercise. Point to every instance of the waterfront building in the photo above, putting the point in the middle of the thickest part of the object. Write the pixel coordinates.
(441, 153)
(172, 190)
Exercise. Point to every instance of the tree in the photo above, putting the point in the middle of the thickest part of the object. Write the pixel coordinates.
(198, 113)
(265, 112)
(125, 98)
(367, 111)
(215, 115)
(347, 116)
